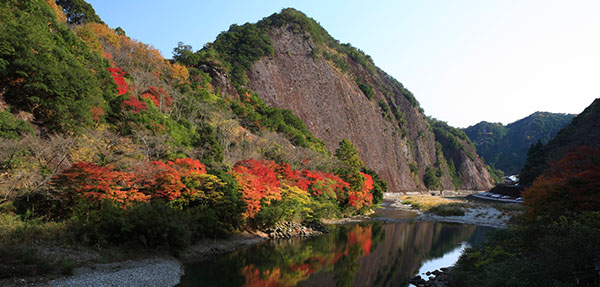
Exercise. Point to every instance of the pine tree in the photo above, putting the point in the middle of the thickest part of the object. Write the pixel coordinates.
(347, 153)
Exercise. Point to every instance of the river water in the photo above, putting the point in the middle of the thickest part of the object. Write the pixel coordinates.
(360, 254)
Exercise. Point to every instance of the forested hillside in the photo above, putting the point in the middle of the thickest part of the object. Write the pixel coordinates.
(555, 243)
(105, 142)
(583, 131)
(505, 147)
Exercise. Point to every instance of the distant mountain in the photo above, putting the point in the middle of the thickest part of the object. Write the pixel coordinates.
(505, 147)
(584, 130)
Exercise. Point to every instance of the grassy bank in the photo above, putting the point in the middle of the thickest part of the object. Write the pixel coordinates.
(437, 205)
(456, 206)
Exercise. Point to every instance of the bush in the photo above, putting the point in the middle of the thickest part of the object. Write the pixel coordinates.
(432, 178)
(366, 89)
(142, 225)
(570, 184)
(445, 210)
(11, 128)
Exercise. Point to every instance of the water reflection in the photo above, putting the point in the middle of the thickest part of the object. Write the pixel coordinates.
(367, 254)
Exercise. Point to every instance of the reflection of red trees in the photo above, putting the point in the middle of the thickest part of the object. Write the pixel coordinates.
(302, 267)
(255, 278)
(570, 184)
(362, 236)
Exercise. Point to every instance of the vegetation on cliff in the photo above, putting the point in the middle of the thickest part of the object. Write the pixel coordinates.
(504, 148)
(236, 53)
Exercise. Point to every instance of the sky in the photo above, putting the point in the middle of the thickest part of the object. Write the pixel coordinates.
(466, 61)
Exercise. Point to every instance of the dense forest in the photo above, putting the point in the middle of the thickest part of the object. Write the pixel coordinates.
(504, 148)
(582, 131)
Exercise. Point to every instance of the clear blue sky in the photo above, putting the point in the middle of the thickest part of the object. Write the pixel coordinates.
(465, 60)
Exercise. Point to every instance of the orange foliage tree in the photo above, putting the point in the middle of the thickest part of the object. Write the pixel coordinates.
(183, 179)
(569, 184)
(58, 10)
(362, 197)
(259, 184)
(262, 182)
(98, 183)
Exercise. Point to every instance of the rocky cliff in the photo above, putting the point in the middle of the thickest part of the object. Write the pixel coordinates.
(339, 96)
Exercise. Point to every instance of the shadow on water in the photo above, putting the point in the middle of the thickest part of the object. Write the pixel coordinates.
(364, 254)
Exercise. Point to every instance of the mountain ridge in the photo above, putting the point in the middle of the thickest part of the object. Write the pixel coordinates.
(505, 147)
(582, 131)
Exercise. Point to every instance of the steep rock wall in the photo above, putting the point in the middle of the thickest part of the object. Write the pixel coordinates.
(333, 107)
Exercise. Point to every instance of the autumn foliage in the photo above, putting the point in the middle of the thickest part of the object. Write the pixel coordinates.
(98, 183)
(259, 184)
(263, 182)
(183, 179)
(570, 184)
(118, 77)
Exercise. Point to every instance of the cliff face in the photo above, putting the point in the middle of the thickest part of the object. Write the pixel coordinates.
(390, 133)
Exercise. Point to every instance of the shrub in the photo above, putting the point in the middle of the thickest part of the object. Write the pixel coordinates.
(366, 89)
(432, 178)
(11, 128)
(447, 210)
(142, 225)
(563, 253)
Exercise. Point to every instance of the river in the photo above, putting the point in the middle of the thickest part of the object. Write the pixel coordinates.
(360, 254)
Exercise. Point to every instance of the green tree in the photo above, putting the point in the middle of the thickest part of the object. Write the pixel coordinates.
(11, 127)
(347, 153)
(185, 55)
(432, 178)
(46, 69)
(79, 11)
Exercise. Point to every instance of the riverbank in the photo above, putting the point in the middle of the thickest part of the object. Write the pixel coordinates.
(166, 270)
(467, 211)
(163, 270)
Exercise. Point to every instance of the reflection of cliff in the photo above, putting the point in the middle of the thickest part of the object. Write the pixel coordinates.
(405, 248)
(399, 254)
(352, 255)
